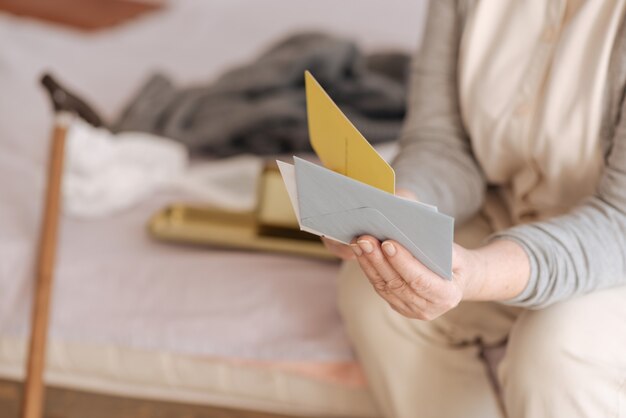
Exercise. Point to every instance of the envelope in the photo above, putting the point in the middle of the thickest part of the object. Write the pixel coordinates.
(353, 194)
(332, 205)
(339, 145)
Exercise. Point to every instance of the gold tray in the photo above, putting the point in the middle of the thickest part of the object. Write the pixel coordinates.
(272, 226)
(188, 224)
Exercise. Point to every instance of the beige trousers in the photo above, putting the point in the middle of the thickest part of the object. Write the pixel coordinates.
(565, 361)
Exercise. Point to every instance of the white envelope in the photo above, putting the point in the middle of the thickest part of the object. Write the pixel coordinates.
(332, 205)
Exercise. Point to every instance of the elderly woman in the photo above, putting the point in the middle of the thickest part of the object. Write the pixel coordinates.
(517, 128)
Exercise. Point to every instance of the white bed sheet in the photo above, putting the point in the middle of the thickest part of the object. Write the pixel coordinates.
(114, 285)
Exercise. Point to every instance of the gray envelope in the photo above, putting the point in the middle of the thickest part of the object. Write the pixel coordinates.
(337, 206)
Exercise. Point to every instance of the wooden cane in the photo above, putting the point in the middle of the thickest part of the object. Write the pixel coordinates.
(33, 392)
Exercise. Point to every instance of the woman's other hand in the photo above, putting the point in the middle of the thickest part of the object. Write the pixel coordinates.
(406, 193)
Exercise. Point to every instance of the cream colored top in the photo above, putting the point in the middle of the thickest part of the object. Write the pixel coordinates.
(532, 77)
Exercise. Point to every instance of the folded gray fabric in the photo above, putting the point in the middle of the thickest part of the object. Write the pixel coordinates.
(260, 107)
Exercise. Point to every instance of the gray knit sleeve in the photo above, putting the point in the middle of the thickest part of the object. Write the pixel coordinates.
(585, 249)
(435, 159)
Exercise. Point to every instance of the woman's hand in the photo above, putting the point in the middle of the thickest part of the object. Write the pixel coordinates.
(498, 271)
(406, 284)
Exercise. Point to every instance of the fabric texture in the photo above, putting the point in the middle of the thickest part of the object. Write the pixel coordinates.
(534, 126)
(106, 174)
(578, 252)
(260, 107)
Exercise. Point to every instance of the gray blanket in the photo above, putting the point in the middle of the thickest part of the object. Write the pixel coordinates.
(260, 107)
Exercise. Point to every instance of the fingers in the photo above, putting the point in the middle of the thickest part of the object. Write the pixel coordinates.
(386, 281)
(414, 273)
(403, 281)
(418, 277)
(389, 278)
(370, 271)
(380, 286)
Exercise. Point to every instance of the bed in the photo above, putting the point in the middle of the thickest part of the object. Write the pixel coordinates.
(134, 317)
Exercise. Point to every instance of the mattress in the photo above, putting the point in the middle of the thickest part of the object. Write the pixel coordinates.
(142, 318)
(280, 387)
(139, 318)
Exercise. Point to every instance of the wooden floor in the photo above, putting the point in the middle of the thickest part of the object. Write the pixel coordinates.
(65, 403)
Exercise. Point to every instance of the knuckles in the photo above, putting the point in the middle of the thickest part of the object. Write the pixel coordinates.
(379, 285)
(419, 284)
(395, 284)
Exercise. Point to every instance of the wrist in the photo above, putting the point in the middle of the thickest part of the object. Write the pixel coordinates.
(497, 271)
(472, 273)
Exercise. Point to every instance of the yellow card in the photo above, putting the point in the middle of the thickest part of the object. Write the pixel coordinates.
(339, 145)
